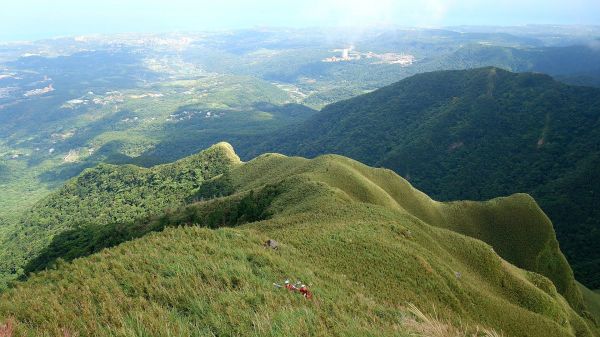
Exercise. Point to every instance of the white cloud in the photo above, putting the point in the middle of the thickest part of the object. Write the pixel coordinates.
(351, 12)
(378, 12)
(436, 10)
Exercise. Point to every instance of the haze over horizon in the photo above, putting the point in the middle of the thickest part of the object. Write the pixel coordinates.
(32, 20)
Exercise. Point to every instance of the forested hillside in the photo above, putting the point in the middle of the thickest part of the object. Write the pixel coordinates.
(477, 134)
(577, 65)
(108, 195)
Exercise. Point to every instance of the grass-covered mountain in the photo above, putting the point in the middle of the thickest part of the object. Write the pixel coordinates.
(382, 258)
(476, 134)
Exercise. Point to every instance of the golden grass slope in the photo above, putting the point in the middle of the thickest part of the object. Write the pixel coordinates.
(365, 241)
(515, 226)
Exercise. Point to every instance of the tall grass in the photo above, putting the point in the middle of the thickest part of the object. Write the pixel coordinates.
(433, 326)
(359, 237)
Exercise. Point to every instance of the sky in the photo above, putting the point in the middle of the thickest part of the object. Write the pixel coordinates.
(37, 19)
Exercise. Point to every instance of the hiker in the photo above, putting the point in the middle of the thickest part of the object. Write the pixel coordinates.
(298, 286)
(287, 285)
(305, 292)
(290, 286)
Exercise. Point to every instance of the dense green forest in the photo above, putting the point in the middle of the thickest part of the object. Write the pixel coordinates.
(577, 65)
(477, 134)
(345, 229)
(108, 195)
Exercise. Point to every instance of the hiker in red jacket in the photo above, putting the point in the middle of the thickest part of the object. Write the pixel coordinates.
(305, 292)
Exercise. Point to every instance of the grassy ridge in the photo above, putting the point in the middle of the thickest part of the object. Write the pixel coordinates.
(365, 241)
(515, 226)
(520, 232)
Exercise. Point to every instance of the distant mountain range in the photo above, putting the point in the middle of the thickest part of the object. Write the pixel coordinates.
(577, 65)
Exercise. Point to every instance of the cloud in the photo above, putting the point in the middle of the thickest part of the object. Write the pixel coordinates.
(351, 12)
(357, 13)
(436, 10)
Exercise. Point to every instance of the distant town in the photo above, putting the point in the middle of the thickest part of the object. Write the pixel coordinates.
(349, 54)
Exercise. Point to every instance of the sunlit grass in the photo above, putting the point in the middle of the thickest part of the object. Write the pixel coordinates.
(363, 240)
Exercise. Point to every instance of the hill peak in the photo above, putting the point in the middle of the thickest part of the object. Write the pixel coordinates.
(228, 150)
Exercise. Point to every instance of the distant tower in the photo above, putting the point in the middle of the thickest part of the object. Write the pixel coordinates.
(346, 53)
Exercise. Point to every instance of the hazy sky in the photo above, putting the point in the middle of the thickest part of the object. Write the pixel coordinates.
(34, 19)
